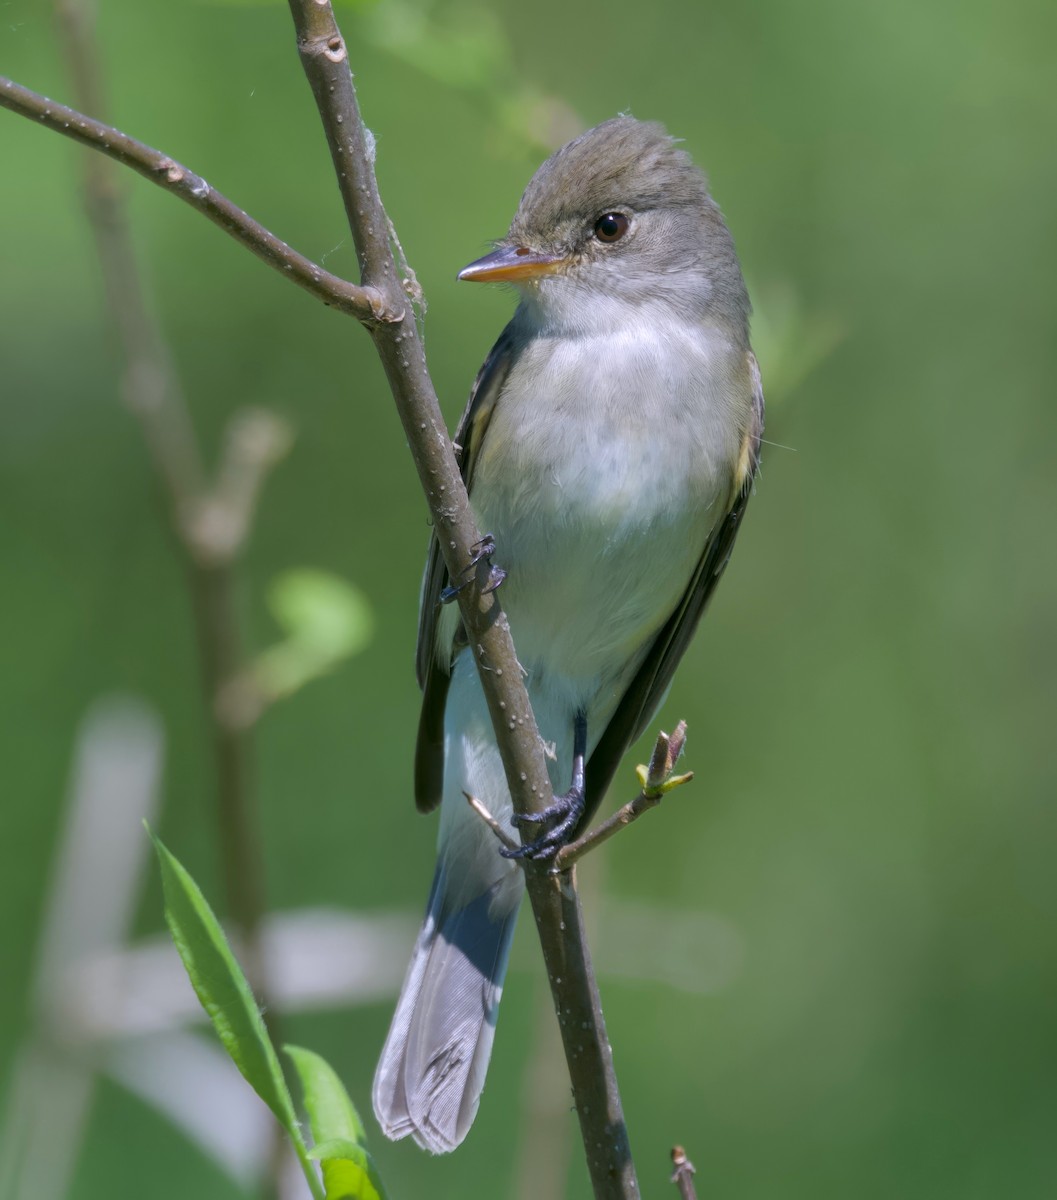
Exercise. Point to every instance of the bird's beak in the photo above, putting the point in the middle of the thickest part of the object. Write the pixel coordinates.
(511, 264)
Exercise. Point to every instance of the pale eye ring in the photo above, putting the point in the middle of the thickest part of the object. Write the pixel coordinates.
(611, 227)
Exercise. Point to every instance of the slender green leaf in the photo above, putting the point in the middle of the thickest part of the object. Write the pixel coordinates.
(349, 1172)
(221, 987)
(331, 1113)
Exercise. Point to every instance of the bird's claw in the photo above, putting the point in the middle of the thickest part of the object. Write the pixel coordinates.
(567, 810)
(496, 575)
(483, 549)
(481, 552)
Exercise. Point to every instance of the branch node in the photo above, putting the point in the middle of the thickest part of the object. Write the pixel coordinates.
(171, 169)
(218, 523)
(366, 304)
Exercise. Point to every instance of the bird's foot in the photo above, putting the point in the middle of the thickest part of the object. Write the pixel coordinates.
(566, 811)
(488, 575)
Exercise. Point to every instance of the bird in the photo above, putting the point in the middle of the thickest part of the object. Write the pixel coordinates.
(609, 446)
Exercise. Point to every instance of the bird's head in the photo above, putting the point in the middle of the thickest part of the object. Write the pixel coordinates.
(618, 217)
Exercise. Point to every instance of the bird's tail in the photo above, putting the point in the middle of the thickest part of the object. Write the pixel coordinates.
(429, 1079)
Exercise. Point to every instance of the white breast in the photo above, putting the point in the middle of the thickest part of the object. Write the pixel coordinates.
(607, 462)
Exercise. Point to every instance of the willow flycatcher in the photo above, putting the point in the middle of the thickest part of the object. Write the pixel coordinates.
(609, 447)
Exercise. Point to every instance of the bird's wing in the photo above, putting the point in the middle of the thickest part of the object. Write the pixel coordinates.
(646, 691)
(433, 675)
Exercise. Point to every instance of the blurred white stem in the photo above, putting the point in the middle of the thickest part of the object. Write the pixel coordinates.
(95, 881)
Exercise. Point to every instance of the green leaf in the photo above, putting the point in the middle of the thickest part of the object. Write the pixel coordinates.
(321, 609)
(326, 619)
(349, 1172)
(221, 987)
(331, 1114)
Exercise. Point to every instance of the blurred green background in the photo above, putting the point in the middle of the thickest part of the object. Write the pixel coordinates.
(872, 700)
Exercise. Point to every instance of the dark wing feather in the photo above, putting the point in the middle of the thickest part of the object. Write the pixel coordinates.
(647, 689)
(433, 676)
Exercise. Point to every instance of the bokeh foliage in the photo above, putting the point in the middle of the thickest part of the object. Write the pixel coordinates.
(872, 699)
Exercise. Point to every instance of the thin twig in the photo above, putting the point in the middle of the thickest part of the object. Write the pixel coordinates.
(657, 781)
(593, 838)
(683, 1175)
(179, 181)
(491, 822)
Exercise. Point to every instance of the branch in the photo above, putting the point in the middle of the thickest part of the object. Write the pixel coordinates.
(683, 1175)
(555, 903)
(176, 179)
(571, 854)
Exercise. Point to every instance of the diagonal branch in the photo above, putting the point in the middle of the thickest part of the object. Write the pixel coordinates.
(176, 179)
(554, 899)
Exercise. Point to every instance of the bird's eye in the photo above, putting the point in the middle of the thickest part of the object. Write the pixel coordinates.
(611, 227)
